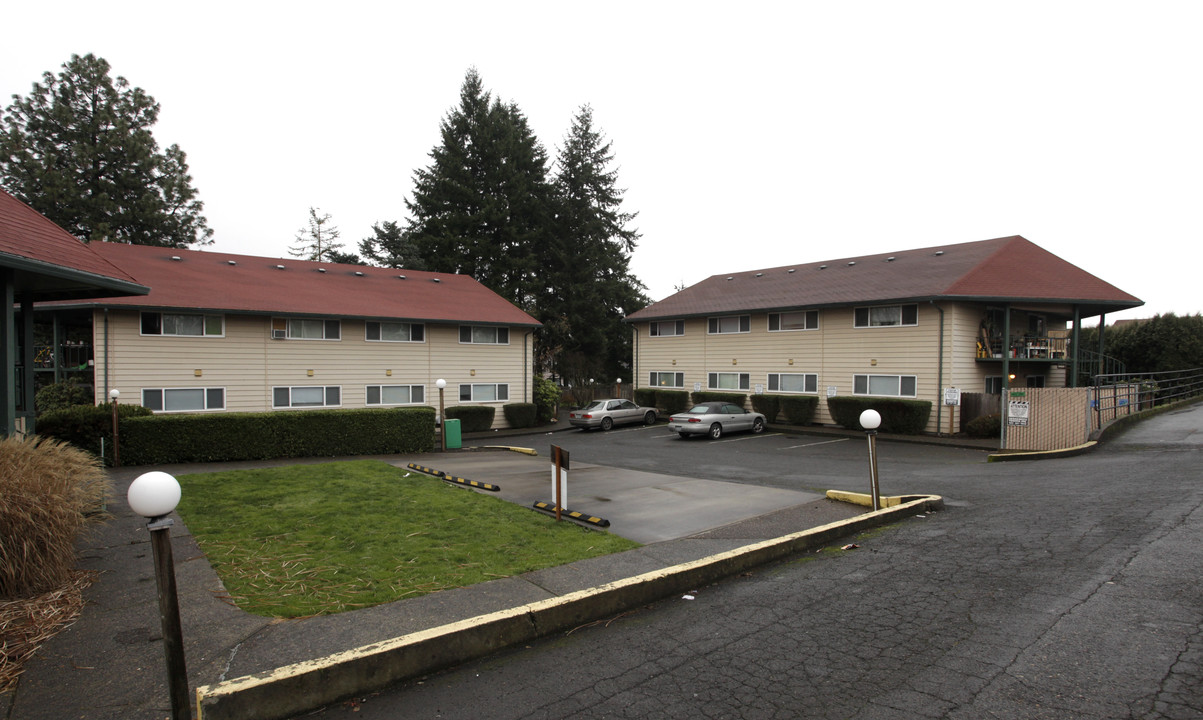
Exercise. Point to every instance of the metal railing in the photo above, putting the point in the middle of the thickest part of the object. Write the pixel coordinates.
(1125, 393)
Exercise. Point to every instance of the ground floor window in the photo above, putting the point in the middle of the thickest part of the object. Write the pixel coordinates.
(1035, 381)
(183, 399)
(887, 385)
(994, 385)
(395, 394)
(729, 381)
(667, 379)
(484, 392)
(307, 396)
(793, 382)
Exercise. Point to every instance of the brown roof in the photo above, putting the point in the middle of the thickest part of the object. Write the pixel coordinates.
(1009, 269)
(49, 261)
(210, 281)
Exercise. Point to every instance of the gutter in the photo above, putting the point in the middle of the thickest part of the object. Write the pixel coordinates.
(939, 372)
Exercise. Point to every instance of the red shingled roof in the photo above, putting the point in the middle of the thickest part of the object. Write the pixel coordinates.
(52, 262)
(201, 280)
(1009, 269)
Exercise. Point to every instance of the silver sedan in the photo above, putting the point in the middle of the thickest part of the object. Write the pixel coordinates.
(605, 414)
(715, 418)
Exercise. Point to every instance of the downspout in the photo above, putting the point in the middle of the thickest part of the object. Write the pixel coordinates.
(1077, 336)
(940, 373)
(1006, 377)
(527, 370)
(106, 353)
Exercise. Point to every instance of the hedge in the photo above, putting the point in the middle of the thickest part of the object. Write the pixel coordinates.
(645, 397)
(163, 439)
(472, 418)
(906, 417)
(799, 409)
(767, 405)
(984, 426)
(702, 396)
(84, 425)
(672, 401)
(520, 415)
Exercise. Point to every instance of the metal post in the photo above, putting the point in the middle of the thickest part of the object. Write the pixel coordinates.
(442, 423)
(116, 444)
(558, 499)
(876, 492)
(169, 615)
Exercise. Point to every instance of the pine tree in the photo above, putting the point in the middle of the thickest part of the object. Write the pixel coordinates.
(319, 241)
(390, 247)
(79, 150)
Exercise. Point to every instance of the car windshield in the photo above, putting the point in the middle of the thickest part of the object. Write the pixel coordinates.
(595, 405)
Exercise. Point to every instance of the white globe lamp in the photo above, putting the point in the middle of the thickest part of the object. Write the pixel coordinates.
(870, 419)
(154, 494)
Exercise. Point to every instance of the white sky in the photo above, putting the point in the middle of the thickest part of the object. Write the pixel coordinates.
(747, 135)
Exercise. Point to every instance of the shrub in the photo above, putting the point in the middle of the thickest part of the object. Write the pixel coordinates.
(898, 415)
(799, 409)
(520, 415)
(49, 490)
(984, 426)
(702, 396)
(646, 397)
(472, 418)
(62, 395)
(84, 425)
(672, 401)
(767, 405)
(547, 399)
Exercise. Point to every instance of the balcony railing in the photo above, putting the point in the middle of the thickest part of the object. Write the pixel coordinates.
(1024, 347)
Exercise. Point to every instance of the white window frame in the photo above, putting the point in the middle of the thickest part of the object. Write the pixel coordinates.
(743, 381)
(287, 325)
(715, 325)
(326, 389)
(871, 310)
(807, 317)
(869, 382)
(808, 380)
(655, 376)
(657, 328)
(501, 392)
(205, 319)
(205, 399)
(410, 328)
(498, 330)
(380, 390)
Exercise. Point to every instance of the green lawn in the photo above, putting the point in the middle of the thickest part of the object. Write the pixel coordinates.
(317, 539)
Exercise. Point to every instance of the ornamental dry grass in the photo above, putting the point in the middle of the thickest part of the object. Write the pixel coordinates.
(49, 491)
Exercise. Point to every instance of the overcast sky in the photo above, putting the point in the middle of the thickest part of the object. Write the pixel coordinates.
(747, 136)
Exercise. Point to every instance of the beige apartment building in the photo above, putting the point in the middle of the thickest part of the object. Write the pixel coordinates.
(978, 317)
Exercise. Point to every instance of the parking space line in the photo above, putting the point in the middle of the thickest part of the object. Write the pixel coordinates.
(824, 442)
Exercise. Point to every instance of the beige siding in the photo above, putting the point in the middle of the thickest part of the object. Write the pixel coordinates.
(248, 363)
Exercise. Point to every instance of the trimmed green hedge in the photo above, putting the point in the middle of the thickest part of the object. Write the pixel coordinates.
(84, 425)
(520, 415)
(767, 405)
(898, 415)
(672, 401)
(799, 409)
(702, 396)
(645, 397)
(472, 418)
(984, 426)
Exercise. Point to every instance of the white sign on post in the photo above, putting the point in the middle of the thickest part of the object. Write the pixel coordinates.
(952, 396)
(1018, 412)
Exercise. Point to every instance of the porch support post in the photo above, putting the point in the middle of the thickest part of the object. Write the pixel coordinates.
(27, 351)
(8, 355)
(1006, 377)
(1073, 366)
(1102, 325)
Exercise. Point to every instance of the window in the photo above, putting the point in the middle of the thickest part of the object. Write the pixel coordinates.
(154, 323)
(484, 392)
(729, 381)
(1035, 381)
(800, 320)
(730, 324)
(887, 316)
(483, 334)
(395, 332)
(306, 329)
(667, 379)
(794, 382)
(994, 385)
(318, 396)
(666, 328)
(395, 394)
(183, 399)
(889, 385)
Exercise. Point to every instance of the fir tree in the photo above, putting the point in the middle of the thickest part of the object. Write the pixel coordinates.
(318, 240)
(389, 246)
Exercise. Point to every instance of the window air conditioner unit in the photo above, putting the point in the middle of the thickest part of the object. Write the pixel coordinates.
(279, 334)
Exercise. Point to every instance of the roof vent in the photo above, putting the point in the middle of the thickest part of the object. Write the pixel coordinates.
(730, 278)
(321, 270)
(791, 270)
(402, 277)
(939, 252)
(851, 263)
(759, 274)
(279, 267)
(357, 273)
(232, 262)
(175, 258)
(822, 267)
(890, 259)
(436, 280)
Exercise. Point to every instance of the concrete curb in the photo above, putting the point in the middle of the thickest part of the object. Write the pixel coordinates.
(298, 688)
(1042, 454)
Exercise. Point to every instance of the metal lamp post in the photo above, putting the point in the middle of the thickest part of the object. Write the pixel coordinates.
(113, 395)
(441, 384)
(870, 420)
(154, 495)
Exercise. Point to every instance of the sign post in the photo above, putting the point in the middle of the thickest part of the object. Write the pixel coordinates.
(559, 477)
(952, 398)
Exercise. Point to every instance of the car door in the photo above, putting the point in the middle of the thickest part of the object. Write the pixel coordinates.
(627, 412)
(737, 417)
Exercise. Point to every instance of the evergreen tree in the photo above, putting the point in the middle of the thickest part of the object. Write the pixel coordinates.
(318, 240)
(79, 150)
(389, 246)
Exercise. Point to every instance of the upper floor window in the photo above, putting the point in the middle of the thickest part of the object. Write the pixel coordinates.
(800, 320)
(666, 379)
(666, 328)
(306, 329)
(484, 334)
(193, 325)
(887, 316)
(395, 332)
(183, 399)
(888, 385)
(729, 381)
(793, 382)
(730, 324)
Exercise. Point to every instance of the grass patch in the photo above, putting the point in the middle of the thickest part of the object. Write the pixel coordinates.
(318, 539)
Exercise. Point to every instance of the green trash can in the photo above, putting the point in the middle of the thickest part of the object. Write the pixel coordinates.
(451, 428)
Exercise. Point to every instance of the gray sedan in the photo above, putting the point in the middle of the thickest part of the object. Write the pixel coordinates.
(715, 418)
(605, 414)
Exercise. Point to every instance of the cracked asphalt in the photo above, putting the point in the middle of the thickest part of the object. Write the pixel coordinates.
(1066, 588)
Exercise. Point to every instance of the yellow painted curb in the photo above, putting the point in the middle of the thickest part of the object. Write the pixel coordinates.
(866, 499)
(524, 451)
(1041, 454)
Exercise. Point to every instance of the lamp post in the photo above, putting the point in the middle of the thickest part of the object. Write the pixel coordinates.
(154, 495)
(441, 384)
(870, 420)
(113, 395)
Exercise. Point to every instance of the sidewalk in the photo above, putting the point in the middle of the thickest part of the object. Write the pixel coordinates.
(109, 664)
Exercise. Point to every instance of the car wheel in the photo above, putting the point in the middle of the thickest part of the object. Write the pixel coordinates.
(649, 418)
(716, 431)
(757, 425)
(607, 423)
